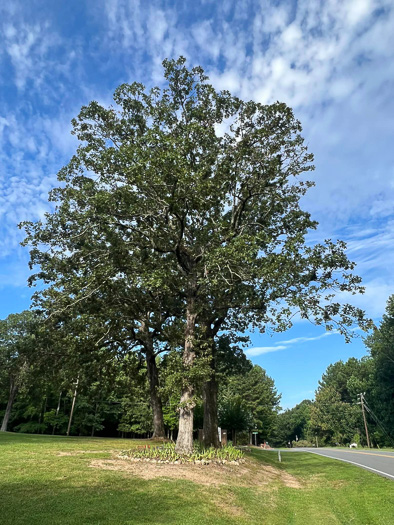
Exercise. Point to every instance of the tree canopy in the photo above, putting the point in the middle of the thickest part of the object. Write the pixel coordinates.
(186, 200)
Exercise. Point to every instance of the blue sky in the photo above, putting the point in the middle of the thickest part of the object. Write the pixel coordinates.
(331, 60)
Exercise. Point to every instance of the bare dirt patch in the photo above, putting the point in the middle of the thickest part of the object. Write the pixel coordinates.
(249, 474)
(229, 505)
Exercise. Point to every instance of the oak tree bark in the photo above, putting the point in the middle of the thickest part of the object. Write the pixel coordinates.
(184, 443)
(153, 378)
(210, 427)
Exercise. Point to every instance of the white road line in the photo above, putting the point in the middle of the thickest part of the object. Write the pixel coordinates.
(354, 463)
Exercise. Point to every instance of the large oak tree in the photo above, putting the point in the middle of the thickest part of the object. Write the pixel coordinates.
(205, 189)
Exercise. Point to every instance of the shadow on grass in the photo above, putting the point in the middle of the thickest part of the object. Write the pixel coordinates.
(15, 439)
(116, 501)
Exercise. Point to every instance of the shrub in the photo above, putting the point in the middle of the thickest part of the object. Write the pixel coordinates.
(302, 443)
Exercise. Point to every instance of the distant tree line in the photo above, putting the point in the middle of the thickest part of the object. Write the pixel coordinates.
(40, 376)
(335, 416)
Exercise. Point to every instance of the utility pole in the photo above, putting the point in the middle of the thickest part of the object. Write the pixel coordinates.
(72, 407)
(365, 420)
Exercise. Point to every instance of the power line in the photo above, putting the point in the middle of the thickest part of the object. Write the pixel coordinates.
(364, 418)
(378, 422)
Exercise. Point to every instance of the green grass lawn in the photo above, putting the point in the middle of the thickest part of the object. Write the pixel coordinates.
(50, 480)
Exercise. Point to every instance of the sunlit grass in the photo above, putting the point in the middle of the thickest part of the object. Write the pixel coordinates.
(49, 480)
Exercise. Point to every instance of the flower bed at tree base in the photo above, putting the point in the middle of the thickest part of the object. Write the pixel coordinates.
(167, 454)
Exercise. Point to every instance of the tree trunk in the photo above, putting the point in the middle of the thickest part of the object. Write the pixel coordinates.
(57, 412)
(95, 415)
(184, 442)
(210, 390)
(155, 400)
(11, 398)
(72, 407)
(210, 428)
(42, 414)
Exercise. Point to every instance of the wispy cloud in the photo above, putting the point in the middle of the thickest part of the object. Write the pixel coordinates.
(298, 340)
(333, 62)
(259, 350)
(284, 345)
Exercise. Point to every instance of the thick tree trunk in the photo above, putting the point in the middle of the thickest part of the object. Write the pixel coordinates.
(184, 442)
(153, 378)
(210, 428)
(210, 391)
(11, 398)
(155, 400)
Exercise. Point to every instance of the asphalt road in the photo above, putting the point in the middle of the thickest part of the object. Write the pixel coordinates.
(377, 461)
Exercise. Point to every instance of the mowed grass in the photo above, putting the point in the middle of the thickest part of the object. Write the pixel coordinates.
(49, 480)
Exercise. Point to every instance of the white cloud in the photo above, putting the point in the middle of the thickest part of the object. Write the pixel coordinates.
(260, 350)
(284, 345)
(298, 340)
(29, 48)
(332, 61)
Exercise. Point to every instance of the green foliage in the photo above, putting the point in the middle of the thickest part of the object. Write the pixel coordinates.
(302, 443)
(135, 410)
(253, 398)
(234, 414)
(56, 421)
(30, 427)
(336, 415)
(243, 438)
(332, 419)
(356, 439)
(170, 413)
(381, 347)
(18, 346)
(292, 423)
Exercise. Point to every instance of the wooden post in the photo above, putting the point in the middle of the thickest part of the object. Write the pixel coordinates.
(365, 420)
(224, 437)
